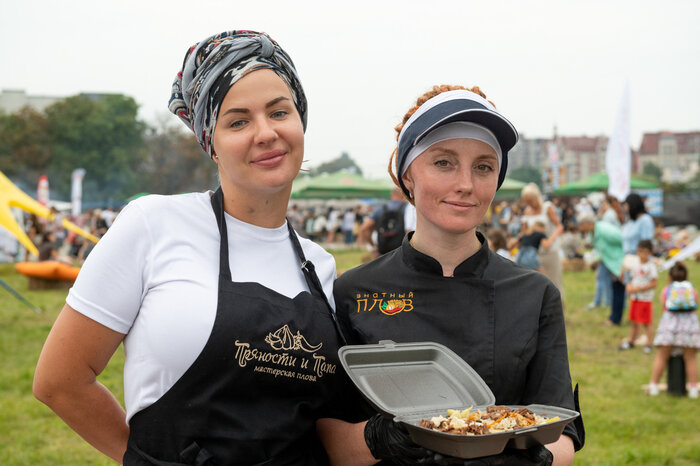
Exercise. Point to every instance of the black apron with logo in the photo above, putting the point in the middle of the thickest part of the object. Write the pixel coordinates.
(266, 373)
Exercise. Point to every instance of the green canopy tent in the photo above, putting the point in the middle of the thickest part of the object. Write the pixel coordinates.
(510, 189)
(599, 182)
(341, 185)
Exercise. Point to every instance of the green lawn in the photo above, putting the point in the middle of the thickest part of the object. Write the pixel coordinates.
(624, 426)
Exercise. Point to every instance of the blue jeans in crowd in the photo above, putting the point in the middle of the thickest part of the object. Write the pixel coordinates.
(349, 237)
(603, 286)
(618, 302)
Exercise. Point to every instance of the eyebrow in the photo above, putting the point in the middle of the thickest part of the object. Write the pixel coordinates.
(271, 103)
(275, 101)
(445, 150)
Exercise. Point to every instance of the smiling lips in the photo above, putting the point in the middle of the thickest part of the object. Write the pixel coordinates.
(270, 159)
(460, 205)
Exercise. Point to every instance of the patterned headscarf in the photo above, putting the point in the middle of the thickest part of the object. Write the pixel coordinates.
(213, 65)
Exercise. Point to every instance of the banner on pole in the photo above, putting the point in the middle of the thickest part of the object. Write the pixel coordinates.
(76, 191)
(554, 160)
(618, 160)
(42, 190)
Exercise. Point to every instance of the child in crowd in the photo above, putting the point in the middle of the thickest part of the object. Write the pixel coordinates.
(571, 242)
(679, 327)
(497, 242)
(662, 239)
(530, 243)
(641, 291)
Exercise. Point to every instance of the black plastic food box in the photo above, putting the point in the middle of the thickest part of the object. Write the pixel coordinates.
(414, 381)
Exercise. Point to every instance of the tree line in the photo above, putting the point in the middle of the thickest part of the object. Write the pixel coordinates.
(121, 155)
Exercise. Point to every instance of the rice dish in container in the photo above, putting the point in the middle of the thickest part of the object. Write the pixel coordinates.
(415, 382)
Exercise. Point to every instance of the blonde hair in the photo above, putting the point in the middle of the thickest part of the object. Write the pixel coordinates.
(436, 90)
(532, 190)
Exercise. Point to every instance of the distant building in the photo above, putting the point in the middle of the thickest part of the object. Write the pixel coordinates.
(528, 153)
(676, 154)
(582, 155)
(578, 156)
(11, 100)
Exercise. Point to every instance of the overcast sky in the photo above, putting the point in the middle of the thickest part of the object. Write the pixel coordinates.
(363, 63)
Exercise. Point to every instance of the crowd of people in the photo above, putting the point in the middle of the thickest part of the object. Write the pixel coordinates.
(54, 242)
(506, 226)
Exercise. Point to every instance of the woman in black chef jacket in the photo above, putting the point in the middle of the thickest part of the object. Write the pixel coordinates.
(230, 339)
(445, 285)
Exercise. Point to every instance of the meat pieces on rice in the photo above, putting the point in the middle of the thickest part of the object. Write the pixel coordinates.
(495, 419)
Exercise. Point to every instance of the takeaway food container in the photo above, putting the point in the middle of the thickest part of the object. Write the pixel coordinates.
(414, 381)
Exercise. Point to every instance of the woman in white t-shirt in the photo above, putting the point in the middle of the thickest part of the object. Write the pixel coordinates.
(538, 210)
(229, 335)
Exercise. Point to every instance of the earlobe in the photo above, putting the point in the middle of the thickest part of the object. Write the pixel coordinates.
(408, 182)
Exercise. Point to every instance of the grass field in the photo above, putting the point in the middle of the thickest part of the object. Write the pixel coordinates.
(623, 425)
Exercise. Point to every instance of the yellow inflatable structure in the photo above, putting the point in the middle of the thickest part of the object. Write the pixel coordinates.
(12, 196)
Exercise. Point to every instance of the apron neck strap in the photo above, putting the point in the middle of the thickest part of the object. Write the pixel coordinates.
(307, 267)
(314, 284)
(312, 280)
(217, 203)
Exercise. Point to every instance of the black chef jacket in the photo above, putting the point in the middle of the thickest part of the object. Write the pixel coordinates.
(504, 320)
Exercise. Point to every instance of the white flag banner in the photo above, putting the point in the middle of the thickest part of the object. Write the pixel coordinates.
(618, 159)
(688, 251)
(76, 191)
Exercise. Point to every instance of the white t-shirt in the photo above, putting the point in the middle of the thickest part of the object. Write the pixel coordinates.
(154, 276)
(543, 217)
(642, 275)
(348, 221)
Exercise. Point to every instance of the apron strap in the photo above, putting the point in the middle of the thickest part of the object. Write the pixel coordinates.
(307, 267)
(217, 203)
(312, 281)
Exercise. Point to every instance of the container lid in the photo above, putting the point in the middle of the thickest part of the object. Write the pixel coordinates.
(406, 378)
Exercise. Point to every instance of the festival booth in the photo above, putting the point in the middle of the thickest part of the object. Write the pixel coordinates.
(40, 273)
(346, 185)
(600, 182)
(510, 189)
(341, 185)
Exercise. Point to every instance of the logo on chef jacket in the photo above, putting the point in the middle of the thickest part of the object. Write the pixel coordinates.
(291, 356)
(389, 303)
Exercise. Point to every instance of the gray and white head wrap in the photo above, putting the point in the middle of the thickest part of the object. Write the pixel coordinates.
(213, 65)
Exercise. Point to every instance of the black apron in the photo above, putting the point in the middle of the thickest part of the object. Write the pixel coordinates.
(268, 370)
